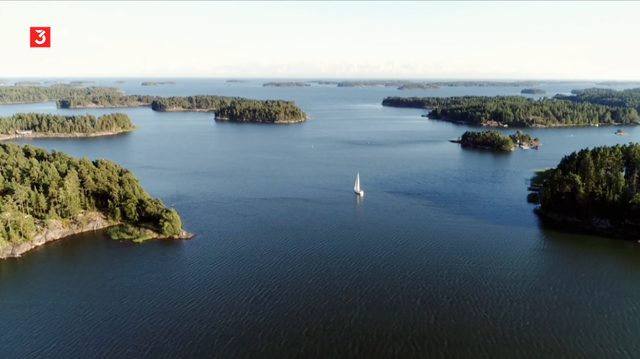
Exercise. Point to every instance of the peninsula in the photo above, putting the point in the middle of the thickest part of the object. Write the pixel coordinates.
(35, 125)
(234, 109)
(60, 195)
(584, 108)
(285, 84)
(595, 190)
(106, 101)
(533, 92)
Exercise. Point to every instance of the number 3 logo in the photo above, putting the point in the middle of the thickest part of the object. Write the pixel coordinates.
(41, 34)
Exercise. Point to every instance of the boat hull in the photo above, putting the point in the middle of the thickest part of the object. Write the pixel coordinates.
(361, 193)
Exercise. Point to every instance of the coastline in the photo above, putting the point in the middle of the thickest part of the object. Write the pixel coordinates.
(93, 105)
(499, 124)
(595, 226)
(226, 119)
(92, 221)
(95, 222)
(4, 137)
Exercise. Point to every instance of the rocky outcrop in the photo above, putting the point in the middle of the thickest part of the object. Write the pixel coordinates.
(92, 222)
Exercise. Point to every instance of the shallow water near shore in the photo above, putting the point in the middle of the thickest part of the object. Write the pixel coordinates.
(442, 257)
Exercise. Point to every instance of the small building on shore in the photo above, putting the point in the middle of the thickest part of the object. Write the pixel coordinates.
(24, 133)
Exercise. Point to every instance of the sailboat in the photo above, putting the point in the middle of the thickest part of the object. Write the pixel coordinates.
(356, 188)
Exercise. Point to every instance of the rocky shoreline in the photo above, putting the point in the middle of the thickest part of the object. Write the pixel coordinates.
(594, 226)
(64, 135)
(96, 221)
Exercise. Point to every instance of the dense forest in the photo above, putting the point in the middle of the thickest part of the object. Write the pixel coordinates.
(626, 98)
(285, 84)
(49, 124)
(517, 111)
(598, 183)
(235, 109)
(269, 111)
(106, 100)
(533, 92)
(416, 86)
(41, 190)
(489, 140)
(13, 94)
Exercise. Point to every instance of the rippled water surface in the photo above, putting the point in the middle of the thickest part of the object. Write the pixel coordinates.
(442, 258)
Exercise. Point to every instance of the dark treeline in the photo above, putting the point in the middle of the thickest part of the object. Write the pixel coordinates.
(234, 108)
(191, 103)
(606, 97)
(40, 188)
(106, 100)
(285, 84)
(48, 123)
(12, 94)
(517, 110)
(603, 182)
(269, 111)
(533, 91)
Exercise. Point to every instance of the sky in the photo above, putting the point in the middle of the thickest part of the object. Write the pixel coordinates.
(330, 39)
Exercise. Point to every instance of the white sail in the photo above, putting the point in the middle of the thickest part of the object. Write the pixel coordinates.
(357, 185)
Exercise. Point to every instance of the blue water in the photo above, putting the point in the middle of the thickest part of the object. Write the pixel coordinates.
(442, 258)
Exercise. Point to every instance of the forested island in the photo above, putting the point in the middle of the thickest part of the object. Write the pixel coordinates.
(157, 83)
(496, 141)
(106, 101)
(587, 107)
(47, 196)
(533, 92)
(120, 82)
(235, 109)
(238, 81)
(285, 84)
(595, 190)
(13, 94)
(49, 125)
(417, 86)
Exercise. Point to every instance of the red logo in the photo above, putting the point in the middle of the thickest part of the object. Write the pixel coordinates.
(40, 37)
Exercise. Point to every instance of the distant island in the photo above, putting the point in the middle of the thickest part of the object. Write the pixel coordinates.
(51, 82)
(495, 141)
(36, 125)
(594, 190)
(238, 81)
(27, 83)
(120, 82)
(372, 83)
(415, 86)
(64, 195)
(584, 108)
(533, 92)
(234, 109)
(82, 83)
(15, 94)
(285, 84)
(106, 100)
(621, 133)
(158, 83)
